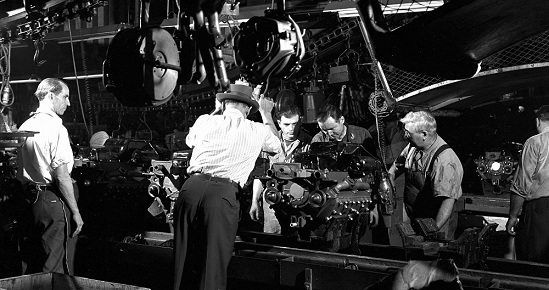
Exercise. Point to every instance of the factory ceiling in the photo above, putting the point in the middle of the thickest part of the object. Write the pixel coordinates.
(484, 31)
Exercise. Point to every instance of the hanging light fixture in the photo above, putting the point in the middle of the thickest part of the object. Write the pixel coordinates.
(7, 95)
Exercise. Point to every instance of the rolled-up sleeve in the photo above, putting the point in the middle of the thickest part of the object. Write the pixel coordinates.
(60, 149)
(448, 175)
(523, 179)
(190, 140)
(271, 142)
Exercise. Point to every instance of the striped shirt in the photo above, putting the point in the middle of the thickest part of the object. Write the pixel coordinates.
(228, 145)
(290, 150)
(531, 180)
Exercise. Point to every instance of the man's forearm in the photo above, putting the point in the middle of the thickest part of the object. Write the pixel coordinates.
(515, 205)
(257, 188)
(268, 121)
(64, 182)
(67, 190)
(444, 211)
(394, 172)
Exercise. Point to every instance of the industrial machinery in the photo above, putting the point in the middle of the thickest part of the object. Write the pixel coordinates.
(114, 180)
(145, 65)
(326, 197)
(166, 177)
(496, 170)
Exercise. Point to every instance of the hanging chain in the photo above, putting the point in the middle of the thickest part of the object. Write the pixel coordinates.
(377, 104)
(315, 67)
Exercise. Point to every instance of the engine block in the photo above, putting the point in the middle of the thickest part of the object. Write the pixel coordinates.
(323, 206)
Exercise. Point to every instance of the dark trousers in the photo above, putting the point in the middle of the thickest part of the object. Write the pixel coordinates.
(15, 222)
(532, 239)
(205, 225)
(52, 231)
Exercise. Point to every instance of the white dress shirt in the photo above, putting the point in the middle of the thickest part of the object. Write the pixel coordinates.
(228, 145)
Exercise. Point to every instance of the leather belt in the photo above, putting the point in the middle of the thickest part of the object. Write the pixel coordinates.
(42, 187)
(216, 179)
(38, 186)
(32, 190)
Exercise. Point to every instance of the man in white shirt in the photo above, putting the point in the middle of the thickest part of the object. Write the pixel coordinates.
(45, 163)
(530, 194)
(225, 148)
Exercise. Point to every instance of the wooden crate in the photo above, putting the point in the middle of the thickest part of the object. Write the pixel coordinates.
(50, 281)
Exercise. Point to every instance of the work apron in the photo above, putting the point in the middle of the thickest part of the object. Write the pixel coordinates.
(420, 202)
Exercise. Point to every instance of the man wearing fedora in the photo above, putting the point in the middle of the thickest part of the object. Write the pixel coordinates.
(225, 148)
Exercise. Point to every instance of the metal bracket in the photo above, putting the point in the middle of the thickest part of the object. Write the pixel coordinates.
(377, 65)
(308, 279)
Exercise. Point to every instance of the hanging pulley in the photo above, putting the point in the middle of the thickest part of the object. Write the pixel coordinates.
(142, 66)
